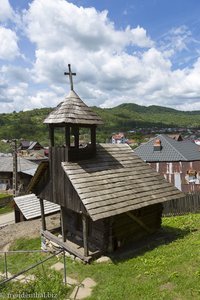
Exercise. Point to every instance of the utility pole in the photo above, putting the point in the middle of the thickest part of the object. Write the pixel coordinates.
(15, 185)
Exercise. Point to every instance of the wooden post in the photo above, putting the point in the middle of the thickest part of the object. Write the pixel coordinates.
(67, 136)
(93, 136)
(63, 223)
(76, 137)
(51, 136)
(85, 234)
(110, 236)
(42, 214)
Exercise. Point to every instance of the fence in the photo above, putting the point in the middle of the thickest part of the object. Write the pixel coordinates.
(189, 204)
(6, 279)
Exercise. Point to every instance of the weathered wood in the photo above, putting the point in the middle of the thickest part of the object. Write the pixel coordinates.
(76, 136)
(42, 214)
(137, 220)
(189, 204)
(70, 76)
(119, 192)
(64, 245)
(126, 197)
(85, 234)
(93, 136)
(105, 214)
(67, 135)
(65, 112)
(51, 136)
(63, 223)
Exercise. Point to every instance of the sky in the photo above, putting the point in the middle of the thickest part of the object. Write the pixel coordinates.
(132, 51)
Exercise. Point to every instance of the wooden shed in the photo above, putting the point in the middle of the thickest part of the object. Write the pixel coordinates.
(108, 195)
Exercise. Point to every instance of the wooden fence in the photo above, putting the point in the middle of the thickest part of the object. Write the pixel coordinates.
(189, 204)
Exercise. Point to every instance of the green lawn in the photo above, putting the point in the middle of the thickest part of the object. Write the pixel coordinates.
(167, 267)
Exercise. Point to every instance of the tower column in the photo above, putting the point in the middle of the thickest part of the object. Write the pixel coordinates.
(51, 135)
(67, 136)
(76, 136)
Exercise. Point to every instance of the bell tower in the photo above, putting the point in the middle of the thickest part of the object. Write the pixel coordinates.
(73, 115)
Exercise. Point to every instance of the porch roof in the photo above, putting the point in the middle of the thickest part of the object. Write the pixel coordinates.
(30, 206)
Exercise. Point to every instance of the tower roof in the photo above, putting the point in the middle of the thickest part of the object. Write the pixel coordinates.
(74, 111)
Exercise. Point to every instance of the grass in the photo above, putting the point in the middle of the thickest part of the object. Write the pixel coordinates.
(7, 208)
(3, 196)
(167, 267)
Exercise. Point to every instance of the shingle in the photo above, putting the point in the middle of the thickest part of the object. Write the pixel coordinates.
(73, 110)
(117, 181)
(30, 206)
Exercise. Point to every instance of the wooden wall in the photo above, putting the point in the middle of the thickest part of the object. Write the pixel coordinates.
(125, 229)
(97, 231)
(54, 184)
(118, 230)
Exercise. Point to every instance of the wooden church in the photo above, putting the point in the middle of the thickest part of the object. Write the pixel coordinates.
(108, 196)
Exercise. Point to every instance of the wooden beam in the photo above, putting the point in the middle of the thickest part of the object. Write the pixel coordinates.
(76, 137)
(93, 136)
(110, 236)
(63, 223)
(138, 221)
(67, 136)
(85, 234)
(68, 247)
(42, 214)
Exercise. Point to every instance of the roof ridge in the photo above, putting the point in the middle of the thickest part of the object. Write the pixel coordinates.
(165, 137)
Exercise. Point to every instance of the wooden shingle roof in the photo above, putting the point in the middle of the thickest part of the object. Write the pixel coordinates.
(74, 111)
(30, 206)
(117, 181)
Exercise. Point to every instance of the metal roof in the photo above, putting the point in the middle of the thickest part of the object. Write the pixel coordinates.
(172, 150)
(74, 111)
(30, 206)
(117, 181)
(23, 165)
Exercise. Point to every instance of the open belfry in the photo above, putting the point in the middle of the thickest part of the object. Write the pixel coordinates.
(108, 196)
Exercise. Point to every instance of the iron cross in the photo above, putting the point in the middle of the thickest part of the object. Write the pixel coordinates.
(70, 76)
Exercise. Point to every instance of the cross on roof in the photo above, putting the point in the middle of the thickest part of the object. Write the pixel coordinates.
(70, 76)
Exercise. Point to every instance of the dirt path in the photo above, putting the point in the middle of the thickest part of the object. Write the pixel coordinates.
(28, 229)
(8, 218)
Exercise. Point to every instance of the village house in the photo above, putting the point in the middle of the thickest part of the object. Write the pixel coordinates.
(32, 150)
(26, 170)
(118, 138)
(176, 159)
(107, 195)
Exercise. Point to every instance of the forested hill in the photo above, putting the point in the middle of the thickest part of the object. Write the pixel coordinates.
(29, 125)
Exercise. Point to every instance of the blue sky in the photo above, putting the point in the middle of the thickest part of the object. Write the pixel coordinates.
(141, 51)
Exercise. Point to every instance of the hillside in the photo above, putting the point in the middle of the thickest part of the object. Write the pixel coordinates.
(166, 266)
(127, 116)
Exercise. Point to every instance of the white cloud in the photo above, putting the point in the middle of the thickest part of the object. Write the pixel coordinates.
(8, 46)
(6, 11)
(112, 65)
(43, 99)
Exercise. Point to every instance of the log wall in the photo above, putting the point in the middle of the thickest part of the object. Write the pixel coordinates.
(126, 229)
